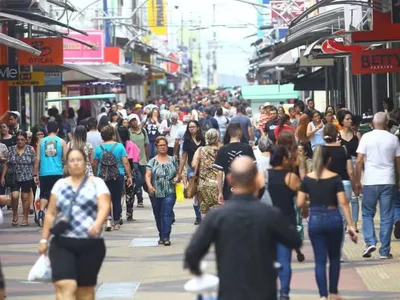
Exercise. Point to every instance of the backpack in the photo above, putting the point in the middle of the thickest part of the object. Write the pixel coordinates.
(109, 166)
(206, 124)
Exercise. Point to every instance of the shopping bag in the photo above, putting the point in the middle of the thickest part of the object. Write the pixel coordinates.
(41, 270)
(180, 197)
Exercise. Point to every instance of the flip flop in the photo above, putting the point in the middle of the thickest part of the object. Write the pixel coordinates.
(14, 223)
(24, 224)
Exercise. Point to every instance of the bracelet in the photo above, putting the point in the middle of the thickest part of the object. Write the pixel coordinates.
(43, 241)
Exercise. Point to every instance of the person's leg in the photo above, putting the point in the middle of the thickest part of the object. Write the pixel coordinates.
(15, 202)
(319, 245)
(26, 203)
(396, 219)
(196, 207)
(355, 204)
(156, 205)
(129, 198)
(284, 257)
(110, 187)
(386, 208)
(139, 195)
(85, 293)
(65, 289)
(2, 285)
(370, 199)
(116, 196)
(347, 191)
(167, 208)
(335, 237)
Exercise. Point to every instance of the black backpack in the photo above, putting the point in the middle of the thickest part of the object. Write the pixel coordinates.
(206, 124)
(109, 165)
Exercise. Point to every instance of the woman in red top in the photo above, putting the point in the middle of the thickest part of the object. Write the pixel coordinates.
(283, 124)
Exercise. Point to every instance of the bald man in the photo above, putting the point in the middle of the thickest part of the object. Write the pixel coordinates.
(245, 233)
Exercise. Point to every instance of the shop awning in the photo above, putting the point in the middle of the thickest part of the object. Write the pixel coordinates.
(83, 73)
(86, 97)
(135, 68)
(109, 68)
(270, 92)
(31, 22)
(287, 59)
(153, 68)
(17, 44)
(167, 59)
(315, 81)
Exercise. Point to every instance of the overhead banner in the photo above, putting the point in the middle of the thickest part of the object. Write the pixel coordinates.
(28, 79)
(157, 16)
(52, 52)
(77, 52)
(375, 61)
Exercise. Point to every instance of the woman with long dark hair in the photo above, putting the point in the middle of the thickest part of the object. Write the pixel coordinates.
(103, 122)
(79, 141)
(114, 117)
(283, 186)
(151, 125)
(283, 124)
(325, 191)
(192, 140)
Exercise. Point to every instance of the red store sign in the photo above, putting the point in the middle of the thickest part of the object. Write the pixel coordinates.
(375, 61)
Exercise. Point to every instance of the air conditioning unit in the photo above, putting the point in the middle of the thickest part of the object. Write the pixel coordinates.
(31, 5)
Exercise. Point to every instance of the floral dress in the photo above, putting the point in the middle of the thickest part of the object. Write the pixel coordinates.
(207, 188)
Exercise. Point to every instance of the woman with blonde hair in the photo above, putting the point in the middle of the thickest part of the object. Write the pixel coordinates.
(203, 161)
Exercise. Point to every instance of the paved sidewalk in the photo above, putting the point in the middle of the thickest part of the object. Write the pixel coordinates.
(156, 272)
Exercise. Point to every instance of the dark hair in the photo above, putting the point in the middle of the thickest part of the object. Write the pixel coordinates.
(71, 113)
(159, 139)
(52, 127)
(357, 120)
(309, 100)
(22, 133)
(107, 133)
(342, 115)
(104, 121)
(282, 121)
(80, 134)
(288, 140)
(91, 123)
(219, 111)
(320, 160)
(52, 112)
(199, 136)
(103, 109)
(278, 155)
(300, 105)
(208, 111)
(232, 130)
(241, 109)
(306, 149)
(315, 112)
(81, 151)
(330, 133)
(123, 134)
(389, 102)
(113, 114)
(330, 106)
(273, 108)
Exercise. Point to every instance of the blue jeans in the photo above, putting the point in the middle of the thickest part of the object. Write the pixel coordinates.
(163, 209)
(325, 229)
(196, 208)
(152, 150)
(347, 191)
(284, 257)
(396, 208)
(386, 194)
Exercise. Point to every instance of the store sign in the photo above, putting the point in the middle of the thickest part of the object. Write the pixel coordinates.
(337, 45)
(157, 16)
(157, 76)
(52, 78)
(52, 52)
(8, 72)
(375, 61)
(76, 52)
(29, 79)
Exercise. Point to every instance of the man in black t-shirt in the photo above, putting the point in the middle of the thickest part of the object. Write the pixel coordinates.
(226, 155)
(269, 127)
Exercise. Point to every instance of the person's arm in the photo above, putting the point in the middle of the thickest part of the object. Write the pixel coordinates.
(293, 181)
(3, 175)
(150, 187)
(4, 156)
(251, 133)
(220, 184)
(310, 131)
(196, 159)
(103, 210)
(176, 147)
(65, 150)
(350, 172)
(182, 163)
(200, 243)
(344, 205)
(301, 199)
(48, 224)
(128, 170)
(146, 145)
(163, 126)
(37, 164)
(359, 168)
(284, 232)
(398, 170)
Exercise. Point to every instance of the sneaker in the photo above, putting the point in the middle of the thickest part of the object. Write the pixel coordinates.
(396, 230)
(389, 256)
(367, 252)
(197, 222)
(140, 205)
(121, 222)
(129, 219)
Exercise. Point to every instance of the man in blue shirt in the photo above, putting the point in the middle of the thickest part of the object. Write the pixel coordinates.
(208, 122)
(245, 123)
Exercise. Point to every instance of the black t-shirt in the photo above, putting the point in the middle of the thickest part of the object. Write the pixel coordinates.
(339, 158)
(9, 142)
(226, 155)
(323, 191)
(190, 147)
(269, 128)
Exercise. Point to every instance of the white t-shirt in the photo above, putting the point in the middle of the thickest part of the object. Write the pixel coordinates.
(172, 135)
(380, 149)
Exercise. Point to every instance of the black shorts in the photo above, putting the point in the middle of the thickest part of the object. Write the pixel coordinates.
(46, 185)
(76, 259)
(23, 186)
(2, 285)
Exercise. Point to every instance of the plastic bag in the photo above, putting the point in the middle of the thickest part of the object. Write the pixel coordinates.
(41, 270)
(180, 197)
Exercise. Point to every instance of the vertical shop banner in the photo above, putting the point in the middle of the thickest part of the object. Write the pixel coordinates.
(52, 52)
(375, 61)
(76, 52)
(157, 16)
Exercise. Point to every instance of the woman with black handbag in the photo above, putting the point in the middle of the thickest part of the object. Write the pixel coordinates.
(79, 206)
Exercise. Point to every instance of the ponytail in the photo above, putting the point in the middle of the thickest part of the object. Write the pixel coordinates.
(330, 133)
(320, 160)
(282, 121)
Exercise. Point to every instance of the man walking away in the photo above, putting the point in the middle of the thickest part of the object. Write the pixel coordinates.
(245, 261)
(245, 123)
(50, 155)
(377, 152)
(208, 122)
(93, 135)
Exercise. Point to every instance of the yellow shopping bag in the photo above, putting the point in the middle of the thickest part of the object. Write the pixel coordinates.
(179, 192)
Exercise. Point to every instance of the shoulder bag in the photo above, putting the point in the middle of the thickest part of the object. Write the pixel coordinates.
(191, 189)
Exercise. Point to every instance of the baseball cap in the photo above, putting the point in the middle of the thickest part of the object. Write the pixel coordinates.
(120, 104)
(267, 104)
(15, 113)
(138, 106)
(133, 116)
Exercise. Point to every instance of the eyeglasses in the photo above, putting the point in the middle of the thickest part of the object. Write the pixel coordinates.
(39, 134)
(192, 127)
(162, 145)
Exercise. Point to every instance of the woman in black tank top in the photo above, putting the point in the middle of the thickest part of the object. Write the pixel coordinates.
(283, 186)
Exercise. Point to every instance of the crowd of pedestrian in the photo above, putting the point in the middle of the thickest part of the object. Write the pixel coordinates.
(227, 157)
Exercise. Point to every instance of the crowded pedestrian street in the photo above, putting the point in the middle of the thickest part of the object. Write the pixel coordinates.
(137, 268)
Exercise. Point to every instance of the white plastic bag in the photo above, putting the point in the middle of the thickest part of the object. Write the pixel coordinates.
(41, 270)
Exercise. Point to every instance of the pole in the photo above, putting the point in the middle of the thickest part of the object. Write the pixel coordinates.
(182, 30)
(214, 52)
(327, 86)
(347, 71)
(107, 25)
(33, 114)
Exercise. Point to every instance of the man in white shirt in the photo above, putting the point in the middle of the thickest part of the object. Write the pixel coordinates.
(122, 110)
(103, 112)
(170, 128)
(379, 154)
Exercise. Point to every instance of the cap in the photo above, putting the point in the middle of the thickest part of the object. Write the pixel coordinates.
(15, 113)
(266, 104)
(132, 116)
(120, 104)
(138, 106)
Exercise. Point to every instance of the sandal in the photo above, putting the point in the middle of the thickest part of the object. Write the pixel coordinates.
(108, 226)
(116, 227)
(41, 218)
(14, 223)
(24, 224)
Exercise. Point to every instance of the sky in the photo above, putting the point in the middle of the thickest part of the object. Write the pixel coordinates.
(234, 50)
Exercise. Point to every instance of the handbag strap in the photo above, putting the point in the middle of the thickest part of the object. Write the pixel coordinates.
(197, 170)
(73, 200)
